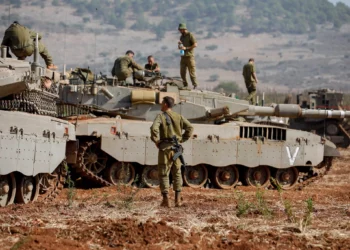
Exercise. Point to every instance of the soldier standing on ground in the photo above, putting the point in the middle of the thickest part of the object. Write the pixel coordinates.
(164, 127)
(187, 43)
(20, 40)
(250, 80)
(124, 66)
(152, 65)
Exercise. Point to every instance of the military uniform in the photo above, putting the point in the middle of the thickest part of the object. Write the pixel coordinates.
(250, 82)
(123, 67)
(20, 40)
(160, 131)
(187, 60)
(151, 66)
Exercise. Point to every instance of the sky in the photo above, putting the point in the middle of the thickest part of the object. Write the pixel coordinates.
(347, 2)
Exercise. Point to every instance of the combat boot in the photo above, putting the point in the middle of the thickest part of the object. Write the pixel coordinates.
(165, 201)
(178, 200)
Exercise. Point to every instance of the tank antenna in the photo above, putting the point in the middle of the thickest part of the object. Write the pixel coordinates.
(263, 99)
(9, 13)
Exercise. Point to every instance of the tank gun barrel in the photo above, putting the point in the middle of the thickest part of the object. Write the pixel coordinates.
(293, 111)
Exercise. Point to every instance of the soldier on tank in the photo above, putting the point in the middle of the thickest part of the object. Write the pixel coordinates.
(187, 43)
(124, 66)
(152, 65)
(20, 40)
(165, 126)
(250, 80)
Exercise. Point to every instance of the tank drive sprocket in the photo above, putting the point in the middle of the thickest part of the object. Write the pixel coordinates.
(92, 162)
(51, 184)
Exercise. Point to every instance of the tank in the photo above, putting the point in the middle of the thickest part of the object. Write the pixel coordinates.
(32, 141)
(336, 129)
(115, 146)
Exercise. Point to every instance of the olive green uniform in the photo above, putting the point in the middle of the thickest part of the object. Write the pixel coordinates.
(151, 66)
(123, 67)
(250, 82)
(20, 40)
(160, 131)
(187, 60)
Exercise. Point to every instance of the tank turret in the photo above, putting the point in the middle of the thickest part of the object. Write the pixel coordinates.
(27, 87)
(142, 103)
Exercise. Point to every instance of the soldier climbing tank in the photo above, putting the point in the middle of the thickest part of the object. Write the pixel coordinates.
(113, 131)
(32, 141)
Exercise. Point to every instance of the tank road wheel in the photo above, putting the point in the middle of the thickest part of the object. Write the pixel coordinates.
(51, 184)
(258, 176)
(120, 173)
(226, 177)
(150, 176)
(27, 189)
(195, 176)
(286, 178)
(7, 189)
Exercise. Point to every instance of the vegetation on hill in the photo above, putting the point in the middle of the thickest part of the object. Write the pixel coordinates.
(251, 16)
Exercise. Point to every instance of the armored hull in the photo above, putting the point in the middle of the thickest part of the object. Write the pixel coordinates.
(32, 150)
(115, 150)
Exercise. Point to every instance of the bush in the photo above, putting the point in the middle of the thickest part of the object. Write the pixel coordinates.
(214, 78)
(228, 88)
(211, 47)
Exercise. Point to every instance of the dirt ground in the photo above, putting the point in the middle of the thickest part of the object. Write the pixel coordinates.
(244, 218)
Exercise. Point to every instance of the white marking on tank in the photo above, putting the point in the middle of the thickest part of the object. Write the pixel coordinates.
(292, 159)
(329, 113)
(342, 114)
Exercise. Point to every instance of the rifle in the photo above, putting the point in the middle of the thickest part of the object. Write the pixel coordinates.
(178, 153)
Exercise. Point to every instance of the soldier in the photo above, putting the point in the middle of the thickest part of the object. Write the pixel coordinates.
(187, 43)
(250, 80)
(124, 66)
(164, 127)
(20, 40)
(152, 65)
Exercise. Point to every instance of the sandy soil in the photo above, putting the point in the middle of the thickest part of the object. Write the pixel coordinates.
(131, 218)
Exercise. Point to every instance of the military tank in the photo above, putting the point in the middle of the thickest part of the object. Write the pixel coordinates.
(113, 132)
(32, 141)
(334, 128)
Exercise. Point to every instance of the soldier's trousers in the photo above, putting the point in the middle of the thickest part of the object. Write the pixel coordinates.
(251, 87)
(165, 165)
(188, 62)
(28, 51)
(126, 75)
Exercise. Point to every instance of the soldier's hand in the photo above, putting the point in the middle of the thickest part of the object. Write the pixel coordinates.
(157, 144)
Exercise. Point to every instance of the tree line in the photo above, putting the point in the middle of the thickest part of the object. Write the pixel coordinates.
(254, 16)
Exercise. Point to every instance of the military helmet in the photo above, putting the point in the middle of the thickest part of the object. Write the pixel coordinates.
(182, 26)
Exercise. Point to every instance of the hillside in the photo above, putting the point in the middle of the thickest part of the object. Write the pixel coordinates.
(297, 44)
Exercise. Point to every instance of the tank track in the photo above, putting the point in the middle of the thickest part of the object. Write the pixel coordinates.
(316, 175)
(34, 101)
(81, 168)
(52, 184)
